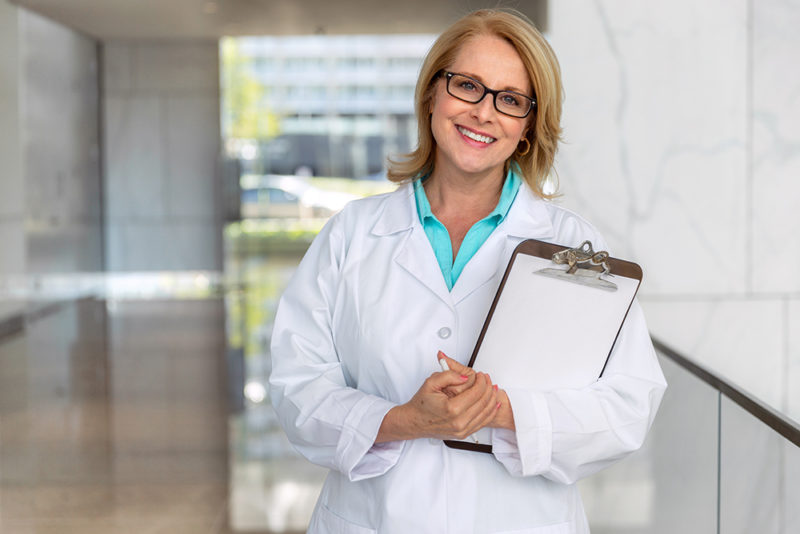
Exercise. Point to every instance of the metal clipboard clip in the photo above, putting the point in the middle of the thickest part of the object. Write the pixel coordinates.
(583, 267)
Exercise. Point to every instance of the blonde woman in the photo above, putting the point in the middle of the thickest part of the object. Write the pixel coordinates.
(395, 282)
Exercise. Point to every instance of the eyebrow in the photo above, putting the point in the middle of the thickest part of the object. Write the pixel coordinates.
(506, 88)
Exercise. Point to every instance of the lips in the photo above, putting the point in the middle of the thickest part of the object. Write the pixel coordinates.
(476, 136)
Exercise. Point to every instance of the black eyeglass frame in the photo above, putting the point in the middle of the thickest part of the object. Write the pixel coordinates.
(494, 92)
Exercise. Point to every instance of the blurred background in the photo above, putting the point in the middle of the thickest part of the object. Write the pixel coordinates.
(164, 165)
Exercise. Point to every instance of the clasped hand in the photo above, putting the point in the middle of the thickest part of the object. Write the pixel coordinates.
(449, 405)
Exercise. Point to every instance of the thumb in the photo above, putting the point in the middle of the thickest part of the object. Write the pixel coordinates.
(454, 365)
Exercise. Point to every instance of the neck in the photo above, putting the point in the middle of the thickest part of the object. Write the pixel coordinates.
(474, 195)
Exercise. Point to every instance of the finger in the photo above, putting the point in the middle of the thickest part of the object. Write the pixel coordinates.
(463, 402)
(482, 413)
(442, 380)
(455, 366)
(479, 413)
(487, 415)
(452, 391)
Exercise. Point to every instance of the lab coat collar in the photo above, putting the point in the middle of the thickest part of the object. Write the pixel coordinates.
(527, 218)
(399, 212)
(415, 253)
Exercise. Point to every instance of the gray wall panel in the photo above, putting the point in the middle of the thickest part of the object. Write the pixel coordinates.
(12, 253)
(60, 147)
(162, 145)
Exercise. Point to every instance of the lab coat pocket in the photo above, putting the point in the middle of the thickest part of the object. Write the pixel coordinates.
(326, 522)
(559, 528)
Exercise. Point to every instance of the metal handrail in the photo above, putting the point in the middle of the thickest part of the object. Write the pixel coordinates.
(782, 424)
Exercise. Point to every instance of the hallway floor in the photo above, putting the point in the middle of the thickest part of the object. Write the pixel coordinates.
(128, 415)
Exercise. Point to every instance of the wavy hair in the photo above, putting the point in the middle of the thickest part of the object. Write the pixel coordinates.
(544, 130)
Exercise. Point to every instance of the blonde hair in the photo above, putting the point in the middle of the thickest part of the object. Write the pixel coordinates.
(544, 130)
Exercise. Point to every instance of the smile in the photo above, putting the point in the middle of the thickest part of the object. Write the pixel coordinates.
(476, 137)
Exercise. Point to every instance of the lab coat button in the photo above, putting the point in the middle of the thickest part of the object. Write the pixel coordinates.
(444, 332)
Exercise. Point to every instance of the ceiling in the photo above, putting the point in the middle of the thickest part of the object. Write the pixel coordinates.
(210, 19)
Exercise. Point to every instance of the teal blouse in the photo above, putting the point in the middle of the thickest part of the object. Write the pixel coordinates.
(476, 236)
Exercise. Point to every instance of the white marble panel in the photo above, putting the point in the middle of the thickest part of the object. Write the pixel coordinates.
(792, 403)
(165, 66)
(193, 142)
(776, 145)
(743, 340)
(791, 489)
(750, 473)
(12, 237)
(179, 245)
(118, 64)
(135, 158)
(655, 133)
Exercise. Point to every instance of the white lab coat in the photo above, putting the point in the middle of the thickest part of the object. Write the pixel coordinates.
(357, 332)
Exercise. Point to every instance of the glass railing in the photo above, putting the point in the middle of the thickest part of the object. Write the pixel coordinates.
(716, 460)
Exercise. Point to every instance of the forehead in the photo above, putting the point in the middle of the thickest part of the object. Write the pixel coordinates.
(493, 61)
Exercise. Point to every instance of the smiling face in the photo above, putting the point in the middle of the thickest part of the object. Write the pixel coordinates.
(475, 140)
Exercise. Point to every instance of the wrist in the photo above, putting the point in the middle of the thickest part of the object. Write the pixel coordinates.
(505, 415)
(397, 425)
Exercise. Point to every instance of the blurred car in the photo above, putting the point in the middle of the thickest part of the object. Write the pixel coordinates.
(280, 196)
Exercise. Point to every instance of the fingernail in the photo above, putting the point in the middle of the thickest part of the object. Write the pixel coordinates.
(440, 354)
(495, 387)
(463, 377)
(498, 405)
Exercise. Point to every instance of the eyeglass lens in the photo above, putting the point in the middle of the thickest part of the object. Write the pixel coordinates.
(469, 90)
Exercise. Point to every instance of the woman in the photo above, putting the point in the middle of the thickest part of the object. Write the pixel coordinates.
(394, 282)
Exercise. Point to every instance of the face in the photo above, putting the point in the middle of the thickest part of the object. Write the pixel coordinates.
(476, 139)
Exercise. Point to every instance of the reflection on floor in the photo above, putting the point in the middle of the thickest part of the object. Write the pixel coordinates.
(128, 416)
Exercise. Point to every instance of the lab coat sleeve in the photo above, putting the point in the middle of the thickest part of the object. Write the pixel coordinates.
(568, 434)
(328, 421)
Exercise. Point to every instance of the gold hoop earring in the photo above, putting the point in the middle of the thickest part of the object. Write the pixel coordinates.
(527, 148)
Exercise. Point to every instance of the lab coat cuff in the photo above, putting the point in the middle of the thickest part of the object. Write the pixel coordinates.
(359, 455)
(528, 450)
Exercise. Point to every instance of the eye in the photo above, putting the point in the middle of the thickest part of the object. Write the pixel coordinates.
(511, 100)
(468, 85)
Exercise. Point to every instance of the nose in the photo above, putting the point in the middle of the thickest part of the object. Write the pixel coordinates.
(484, 110)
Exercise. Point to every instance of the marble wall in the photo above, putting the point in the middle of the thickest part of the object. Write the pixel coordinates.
(682, 143)
(162, 146)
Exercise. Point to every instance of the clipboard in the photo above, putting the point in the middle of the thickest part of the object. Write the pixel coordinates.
(553, 321)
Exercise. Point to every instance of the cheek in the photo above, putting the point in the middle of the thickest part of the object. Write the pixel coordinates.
(514, 129)
(438, 120)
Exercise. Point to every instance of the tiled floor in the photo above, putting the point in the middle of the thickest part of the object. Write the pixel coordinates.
(117, 416)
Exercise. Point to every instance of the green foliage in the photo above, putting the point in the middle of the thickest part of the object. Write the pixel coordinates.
(245, 106)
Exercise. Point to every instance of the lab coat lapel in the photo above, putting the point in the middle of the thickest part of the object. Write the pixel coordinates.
(414, 253)
(528, 218)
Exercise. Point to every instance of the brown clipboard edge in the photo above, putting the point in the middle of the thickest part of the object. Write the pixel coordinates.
(541, 249)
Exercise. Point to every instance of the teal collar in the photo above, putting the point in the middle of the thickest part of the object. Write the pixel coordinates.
(507, 194)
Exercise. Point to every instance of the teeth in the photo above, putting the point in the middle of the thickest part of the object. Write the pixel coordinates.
(476, 137)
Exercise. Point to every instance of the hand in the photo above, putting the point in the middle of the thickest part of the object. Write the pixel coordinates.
(432, 413)
(463, 370)
(504, 417)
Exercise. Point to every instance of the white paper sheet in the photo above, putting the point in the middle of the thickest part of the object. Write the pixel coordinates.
(548, 333)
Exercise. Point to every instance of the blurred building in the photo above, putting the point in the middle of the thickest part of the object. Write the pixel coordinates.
(341, 103)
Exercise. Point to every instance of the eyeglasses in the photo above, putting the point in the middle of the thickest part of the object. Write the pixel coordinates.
(471, 90)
